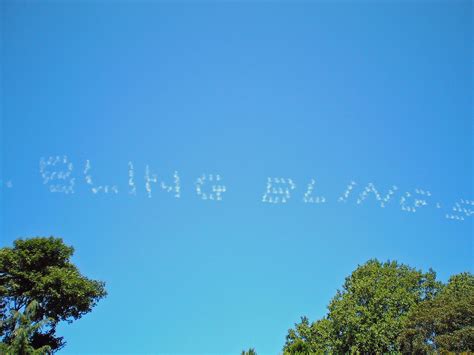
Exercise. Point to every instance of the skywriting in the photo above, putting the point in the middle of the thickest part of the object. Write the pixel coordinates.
(57, 173)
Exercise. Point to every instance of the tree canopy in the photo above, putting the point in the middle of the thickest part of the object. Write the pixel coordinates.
(39, 270)
(445, 322)
(24, 327)
(386, 307)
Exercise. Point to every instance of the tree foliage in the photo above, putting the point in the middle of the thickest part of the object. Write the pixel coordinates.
(308, 338)
(387, 307)
(39, 270)
(24, 328)
(445, 323)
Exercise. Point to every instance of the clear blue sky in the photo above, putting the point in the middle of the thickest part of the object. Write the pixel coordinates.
(359, 91)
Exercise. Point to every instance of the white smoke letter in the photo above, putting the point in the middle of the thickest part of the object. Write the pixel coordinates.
(278, 190)
(50, 174)
(216, 190)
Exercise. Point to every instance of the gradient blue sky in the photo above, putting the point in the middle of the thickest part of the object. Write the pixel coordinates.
(365, 91)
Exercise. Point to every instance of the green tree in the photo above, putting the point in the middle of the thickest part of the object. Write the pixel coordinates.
(39, 269)
(445, 323)
(368, 314)
(310, 338)
(250, 351)
(24, 328)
